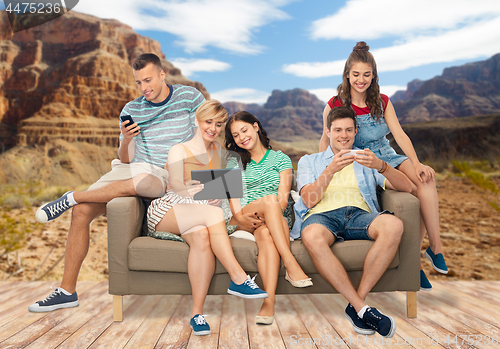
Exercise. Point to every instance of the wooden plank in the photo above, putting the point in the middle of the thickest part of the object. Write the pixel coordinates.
(212, 307)
(431, 322)
(21, 292)
(293, 331)
(480, 330)
(88, 333)
(28, 318)
(152, 327)
(73, 321)
(118, 334)
(487, 292)
(318, 327)
(472, 305)
(261, 336)
(27, 297)
(233, 331)
(178, 331)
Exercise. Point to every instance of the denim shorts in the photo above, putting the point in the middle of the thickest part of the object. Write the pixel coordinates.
(346, 223)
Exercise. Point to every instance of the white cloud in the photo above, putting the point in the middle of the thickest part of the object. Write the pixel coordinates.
(324, 94)
(480, 39)
(424, 32)
(225, 24)
(191, 66)
(243, 95)
(391, 89)
(368, 19)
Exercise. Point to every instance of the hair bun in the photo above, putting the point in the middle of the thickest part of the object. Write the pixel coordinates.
(361, 46)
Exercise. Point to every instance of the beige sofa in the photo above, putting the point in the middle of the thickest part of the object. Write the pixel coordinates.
(144, 265)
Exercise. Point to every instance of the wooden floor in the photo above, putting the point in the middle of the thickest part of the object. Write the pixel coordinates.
(456, 314)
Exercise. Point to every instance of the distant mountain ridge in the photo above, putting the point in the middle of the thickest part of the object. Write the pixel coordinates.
(467, 90)
(287, 114)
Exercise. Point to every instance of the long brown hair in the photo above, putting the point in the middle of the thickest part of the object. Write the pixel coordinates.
(230, 144)
(373, 100)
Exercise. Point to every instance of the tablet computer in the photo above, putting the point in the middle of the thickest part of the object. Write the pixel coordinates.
(219, 184)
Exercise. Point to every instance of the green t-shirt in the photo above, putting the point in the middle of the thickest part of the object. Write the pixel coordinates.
(263, 178)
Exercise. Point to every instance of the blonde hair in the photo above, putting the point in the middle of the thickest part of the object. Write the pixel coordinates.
(211, 109)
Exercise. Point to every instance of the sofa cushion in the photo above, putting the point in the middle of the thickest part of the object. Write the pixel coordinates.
(350, 253)
(149, 254)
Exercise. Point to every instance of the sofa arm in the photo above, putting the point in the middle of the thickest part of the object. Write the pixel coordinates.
(407, 208)
(125, 217)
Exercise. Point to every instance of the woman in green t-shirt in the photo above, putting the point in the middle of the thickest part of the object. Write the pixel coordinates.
(267, 179)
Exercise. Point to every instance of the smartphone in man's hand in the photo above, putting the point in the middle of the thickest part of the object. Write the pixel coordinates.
(128, 118)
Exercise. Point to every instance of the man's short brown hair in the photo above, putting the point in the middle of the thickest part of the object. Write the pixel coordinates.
(340, 113)
(146, 58)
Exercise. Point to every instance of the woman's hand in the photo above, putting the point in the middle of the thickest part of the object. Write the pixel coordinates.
(193, 187)
(248, 221)
(424, 173)
(215, 202)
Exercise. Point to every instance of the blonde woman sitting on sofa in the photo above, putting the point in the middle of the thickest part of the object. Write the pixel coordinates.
(200, 222)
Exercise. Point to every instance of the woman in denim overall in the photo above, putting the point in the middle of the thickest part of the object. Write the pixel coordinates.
(376, 118)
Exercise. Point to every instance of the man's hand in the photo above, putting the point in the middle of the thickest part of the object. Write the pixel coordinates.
(368, 159)
(129, 131)
(424, 173)
(339, 161)
(248, 221)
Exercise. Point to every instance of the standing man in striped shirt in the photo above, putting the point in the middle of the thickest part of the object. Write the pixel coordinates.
(163, 116)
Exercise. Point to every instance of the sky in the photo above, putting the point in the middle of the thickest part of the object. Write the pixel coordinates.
(242, 50)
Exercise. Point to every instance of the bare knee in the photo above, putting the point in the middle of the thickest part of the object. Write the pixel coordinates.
(263, 236)
(199, 240)
(314, 238)
(148, 186)
(388, 227)
(87, 212)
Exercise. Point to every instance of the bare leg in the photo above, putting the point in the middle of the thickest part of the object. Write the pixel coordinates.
(269, 208)
(268, 264)
(317, 240)
(201, 266)
(429, 206)
(386, 230)
(183, 217)
(142, 185)
(77, 244)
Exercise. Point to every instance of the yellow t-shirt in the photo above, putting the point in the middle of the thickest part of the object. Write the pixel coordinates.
(342, 191)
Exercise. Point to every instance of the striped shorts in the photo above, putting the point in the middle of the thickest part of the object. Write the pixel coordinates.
(159, 207)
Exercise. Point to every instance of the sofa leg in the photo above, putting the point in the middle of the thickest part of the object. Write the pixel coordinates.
(117, 308)
(411, 304)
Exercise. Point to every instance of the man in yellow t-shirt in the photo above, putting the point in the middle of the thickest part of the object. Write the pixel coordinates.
(338, 202)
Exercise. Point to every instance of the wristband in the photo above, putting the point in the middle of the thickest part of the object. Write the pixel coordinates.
(385, 167)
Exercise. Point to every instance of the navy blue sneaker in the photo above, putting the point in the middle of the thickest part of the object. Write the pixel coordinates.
(247, 289)
(54, 209)
(199, 325)
(425, 285)
(56, 300)
(383, 324)
(437, 261)
(357, 324)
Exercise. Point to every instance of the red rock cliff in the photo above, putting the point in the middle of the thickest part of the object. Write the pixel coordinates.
(69, 79)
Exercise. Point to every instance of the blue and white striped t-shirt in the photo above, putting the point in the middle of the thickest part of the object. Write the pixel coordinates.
(164, 124)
